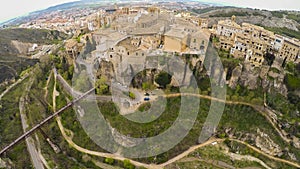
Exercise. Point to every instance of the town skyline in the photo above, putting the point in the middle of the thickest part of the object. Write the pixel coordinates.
(11, 11)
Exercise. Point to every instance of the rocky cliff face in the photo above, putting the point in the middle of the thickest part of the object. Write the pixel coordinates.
(266, 77)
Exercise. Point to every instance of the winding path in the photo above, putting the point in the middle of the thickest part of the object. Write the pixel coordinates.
(185, 153)
(13, 85)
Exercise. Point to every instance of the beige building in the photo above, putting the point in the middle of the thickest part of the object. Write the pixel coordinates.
(241, 44)
(176, 40)
(252, 42)
(72, 48)
(255, 57)
(290, 50)
(225, 43)
(203, 22)
(150, 42)
(228, 27)
(250, 48)
(199, 41)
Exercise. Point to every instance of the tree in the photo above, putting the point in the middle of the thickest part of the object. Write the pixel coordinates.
(131, 95)
(269, 57)
(146, 86)
(163, 79)
(101, 86)
(127, 164)
(109, 161)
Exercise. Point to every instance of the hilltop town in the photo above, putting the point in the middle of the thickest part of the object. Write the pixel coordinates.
(123, 62)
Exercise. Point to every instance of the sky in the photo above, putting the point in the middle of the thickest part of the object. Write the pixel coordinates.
(14, 8)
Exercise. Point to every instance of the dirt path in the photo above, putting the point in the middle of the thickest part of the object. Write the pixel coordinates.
(248, 158)
(47, 84)
(13, 85)
(262, 110)
(178, 157)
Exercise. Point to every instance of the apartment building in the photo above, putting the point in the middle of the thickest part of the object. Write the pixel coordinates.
(290, 50)
(228, 27)
(252, 42)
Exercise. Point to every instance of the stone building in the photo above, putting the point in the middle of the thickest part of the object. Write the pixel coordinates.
(228, 27)
(290, 50)
(72, 48)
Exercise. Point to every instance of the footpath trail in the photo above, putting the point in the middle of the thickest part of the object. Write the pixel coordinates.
(261, 109)
(178, 157)
(13, 85)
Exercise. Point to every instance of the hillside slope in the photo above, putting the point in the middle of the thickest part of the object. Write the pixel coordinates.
(288, 19)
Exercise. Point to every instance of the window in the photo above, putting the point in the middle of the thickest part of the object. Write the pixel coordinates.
(195, 40)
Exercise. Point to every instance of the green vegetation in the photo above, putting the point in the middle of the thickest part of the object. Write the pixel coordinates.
(37, 109)
(109, 161)
(258, 14)
(292, 82)
(288, 107)
(241, 93)
(275, 70)
(11, 127)
(64, 68)
(244, 150)
(131, 95)
(230, 14)
(101, 86)
(292, 78)
(242, 119)
(278, 14)
(163, 79)
(127, 165)
(147, 86)
(228, 62)
(213, 154)
(269, 58)
(204, 10)
(50, 89)
(12, 66)
(295, 17)
(284, 31)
